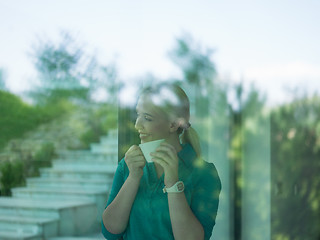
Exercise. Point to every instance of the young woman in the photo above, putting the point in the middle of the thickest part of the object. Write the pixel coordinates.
(177, 195)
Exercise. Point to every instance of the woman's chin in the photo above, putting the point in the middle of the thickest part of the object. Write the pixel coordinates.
(144, 141)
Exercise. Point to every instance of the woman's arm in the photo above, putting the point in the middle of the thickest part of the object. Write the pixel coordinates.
(185, 224)
(116, 216)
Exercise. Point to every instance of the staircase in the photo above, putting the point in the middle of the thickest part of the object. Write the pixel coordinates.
(67, 200)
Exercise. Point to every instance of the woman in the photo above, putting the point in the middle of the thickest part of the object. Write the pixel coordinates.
(176, 196)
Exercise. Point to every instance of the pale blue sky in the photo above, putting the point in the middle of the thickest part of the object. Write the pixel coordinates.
(272, 43)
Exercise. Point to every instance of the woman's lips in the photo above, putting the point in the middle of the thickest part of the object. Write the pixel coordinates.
(143, 135)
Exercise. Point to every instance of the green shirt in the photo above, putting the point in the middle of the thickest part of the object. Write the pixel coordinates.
(149, 217)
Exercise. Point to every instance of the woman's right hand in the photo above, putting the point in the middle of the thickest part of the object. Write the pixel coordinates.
(135, 161)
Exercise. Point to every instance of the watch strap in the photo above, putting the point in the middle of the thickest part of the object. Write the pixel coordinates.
(176, 188)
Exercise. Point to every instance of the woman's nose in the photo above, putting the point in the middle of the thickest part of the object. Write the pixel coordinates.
(138, 125)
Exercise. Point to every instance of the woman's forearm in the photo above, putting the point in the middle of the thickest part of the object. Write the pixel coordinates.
(116, 215)
(184, 223)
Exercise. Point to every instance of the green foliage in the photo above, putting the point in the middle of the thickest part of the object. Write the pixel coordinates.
(53, 110)
(42, 158)
(196, 65)
(102, 80)
(247, 132)
(62, 70)
(58, 64)
(99, 120)
(197, 68)
(66, 71)
(2, 80)
(18, 117)
(295, 144)
(12, 175)
(45, 97)
(127, 133)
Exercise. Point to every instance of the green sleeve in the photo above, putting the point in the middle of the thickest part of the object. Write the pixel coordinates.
(205, 196)
(118, 181)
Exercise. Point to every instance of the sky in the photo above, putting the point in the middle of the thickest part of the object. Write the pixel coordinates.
(273, 44)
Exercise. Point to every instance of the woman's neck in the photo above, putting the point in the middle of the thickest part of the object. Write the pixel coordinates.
(175, 142)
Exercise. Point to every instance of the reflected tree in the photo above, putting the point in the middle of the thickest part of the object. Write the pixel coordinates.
(65, 70)
(70, 76)
(58, 69)
(197, 68)
(295, 174)
(2, 80)
(245, 125)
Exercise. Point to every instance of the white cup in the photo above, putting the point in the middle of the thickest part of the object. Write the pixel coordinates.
(150, 147)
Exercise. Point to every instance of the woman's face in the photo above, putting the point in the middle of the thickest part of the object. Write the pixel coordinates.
(151, 123)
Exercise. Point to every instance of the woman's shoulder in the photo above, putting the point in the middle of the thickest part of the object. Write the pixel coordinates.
(122, 166)
(199, 166)
(203, 166)
(205, 171)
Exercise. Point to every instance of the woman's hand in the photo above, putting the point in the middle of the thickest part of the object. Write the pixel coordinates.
(166, 156)
(135, 162)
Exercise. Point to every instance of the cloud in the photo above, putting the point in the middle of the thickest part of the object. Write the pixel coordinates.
(128, 95)
(288, 72)
(279, 79)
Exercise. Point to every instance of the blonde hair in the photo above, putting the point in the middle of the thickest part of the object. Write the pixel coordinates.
(174, 103)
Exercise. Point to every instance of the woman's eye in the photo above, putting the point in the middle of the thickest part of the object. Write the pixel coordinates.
(147, 118)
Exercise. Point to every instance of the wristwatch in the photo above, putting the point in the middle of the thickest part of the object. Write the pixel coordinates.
(176, 188)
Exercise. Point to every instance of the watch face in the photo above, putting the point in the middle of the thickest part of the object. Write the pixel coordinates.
(180, 186)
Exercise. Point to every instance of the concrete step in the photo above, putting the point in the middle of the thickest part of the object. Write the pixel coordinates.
(18, 235)
(104, 149)
(65, 188)
(41, 226)
(113, 133)
(85, 154)
(94, 173)
(106, 140)
(67, 200)
(58, 182)
(107, 147)
(77, 238)
(84, 163)
(94, 236)
(75, 216)
(58, 193)
(97, 196)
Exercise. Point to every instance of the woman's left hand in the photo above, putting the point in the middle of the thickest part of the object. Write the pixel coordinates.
(166, 156)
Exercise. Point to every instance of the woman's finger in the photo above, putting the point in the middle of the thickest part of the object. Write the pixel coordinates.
(161, 162)
(138, 164)
(136, 159)
(167, 145)
(162, 155)
(133, 151)
(168, 149)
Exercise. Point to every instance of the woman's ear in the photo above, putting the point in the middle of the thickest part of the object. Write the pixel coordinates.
(175, 125)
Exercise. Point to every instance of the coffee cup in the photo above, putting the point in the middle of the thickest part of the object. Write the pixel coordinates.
(150, 147)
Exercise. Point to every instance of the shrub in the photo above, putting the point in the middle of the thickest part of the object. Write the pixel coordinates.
(12, 175)
(102, 119)
(42, 158)
(18, 117)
